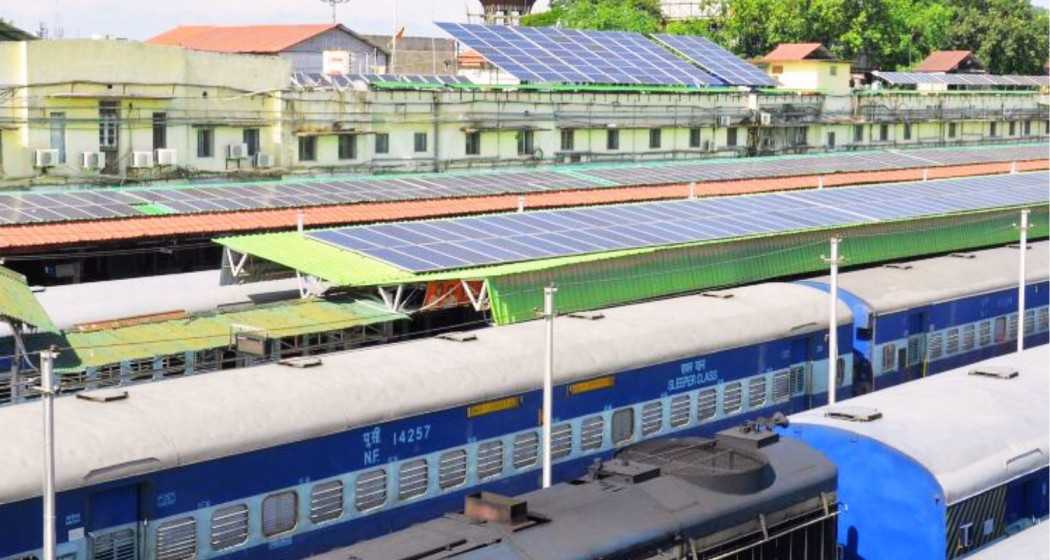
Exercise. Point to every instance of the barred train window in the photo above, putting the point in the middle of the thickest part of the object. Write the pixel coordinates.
(967, 337)
(1013, 327)
(561, 440)
(798, 379)
(177, 539)
(731, 398)
(1000, 329)
(326, 501)
(622, 425)
(935, 346)
(1044, 319)
(490, 459)
(1029, 322)
(986, 333)
(889, 357)
(526, 449)
(229, 526)
(706, 404)
(756, 392)
(591, 433)
(781, 386)
(679, 410)
(280, 513)
(412, 479)
(652, 418)
(953, 342)
(370, 491)
(452, 468)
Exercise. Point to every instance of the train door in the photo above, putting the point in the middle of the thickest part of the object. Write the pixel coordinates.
(916, 348)
(113, 524)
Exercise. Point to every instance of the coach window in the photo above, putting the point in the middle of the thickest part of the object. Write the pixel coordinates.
(952, 344)
(731, 399)
(889, 352)
(840, 372)
(1029, 321)
(177, 539)
(452, 469)
(326, 501)
(412, 479)
(622, 425)
(526, 449)
(561, 440)
(935, 346)
(1000, 329)
(781, 386)
(370, 492)
(680, 410)
(968, 337)
(490, 459)
(756, 392)
(652, 418)
(229, 526)
(592, 432)
(706, 404)
(280, 513)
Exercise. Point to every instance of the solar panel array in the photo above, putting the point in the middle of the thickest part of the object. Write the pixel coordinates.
(553, 54)
(316, 80)
(716, 60)
(434, 245)
(916, 78)
(94, 204)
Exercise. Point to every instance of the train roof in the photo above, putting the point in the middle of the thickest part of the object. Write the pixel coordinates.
(905, 285)
(198, 418)
(1029, 544)
(971, 432)
(193, 292)
(599, 518)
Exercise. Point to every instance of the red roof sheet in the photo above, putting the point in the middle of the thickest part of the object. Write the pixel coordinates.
(268, 39)
(792, 51)
(943, 61)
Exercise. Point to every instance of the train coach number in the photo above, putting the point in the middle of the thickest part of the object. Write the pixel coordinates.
(411, 435)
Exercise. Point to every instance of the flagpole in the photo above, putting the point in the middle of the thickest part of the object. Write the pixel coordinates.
(393, 41)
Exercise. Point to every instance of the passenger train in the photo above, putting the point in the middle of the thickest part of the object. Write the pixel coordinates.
(295, 458)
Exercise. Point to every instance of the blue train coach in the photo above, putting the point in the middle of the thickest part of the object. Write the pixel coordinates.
(941, 467)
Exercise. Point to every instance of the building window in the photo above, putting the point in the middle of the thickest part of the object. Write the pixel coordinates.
(993, 129)
(307, 148)
(907, 131)
(1013, 128)
(951, 130)
(473, 143)
(612, 139)
(206, 142)
(108, 124)
(160, 131)
(831, 140)
(777, 69)
(858, 133)
(250, 137)
(834, 70)
(326, 501)
(58, 135)
(229, 526)
(280, 512)
(884, 132)
(622, 425)
(347, 146)
(654, 138)
(420, 142)
(382, 143)
(452, 469)
(731, 136)
(568, 139)
(525, 142)
(694, 137)
(1028, 128)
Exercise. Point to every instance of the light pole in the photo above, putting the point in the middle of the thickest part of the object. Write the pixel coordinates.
(47, 397)
(833, 319)
(548, 381)
(333, 4)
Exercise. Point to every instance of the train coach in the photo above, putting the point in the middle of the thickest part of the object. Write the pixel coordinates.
(941, 467)
(920, 317)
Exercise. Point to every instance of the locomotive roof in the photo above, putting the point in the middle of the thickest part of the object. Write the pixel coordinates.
(193, 419)
(896, 287)
(971, 432)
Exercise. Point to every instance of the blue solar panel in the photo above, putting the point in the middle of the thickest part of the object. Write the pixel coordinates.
(468, 242)
(716, 60)
(915, 78)
(552, 54)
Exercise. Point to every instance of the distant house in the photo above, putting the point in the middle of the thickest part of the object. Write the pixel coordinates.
(418, 55)
(302, 45)
(951, 62)
(807, 66)
(9, 32)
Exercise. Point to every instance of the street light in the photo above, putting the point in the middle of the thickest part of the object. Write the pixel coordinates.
(333, 4)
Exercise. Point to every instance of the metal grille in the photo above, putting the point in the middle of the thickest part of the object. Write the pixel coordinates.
(561, 440)
(370, 491)
(756, 392)
(652, 418)
(935, 346)
(953, 342)
(1029, 322)
(591, 433)
(781, 386)
(968, 334)
(1012, 333)
(177, 539)
(118, 545)
(326, 501)
(229, 526)
(279, 513)
(798, 379)
(1044, 319)
(914, 350)
(452, 468)
(986, 333)
(526, 449)
(490, 459)
(731, 398)
(412, 479)
(679, 410)
(977, 512)
(707, 404)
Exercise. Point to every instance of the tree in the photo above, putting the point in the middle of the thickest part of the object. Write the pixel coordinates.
(1007, 36)
(642, 16)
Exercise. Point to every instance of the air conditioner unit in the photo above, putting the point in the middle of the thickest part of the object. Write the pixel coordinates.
(725, 120)
(237, 151)
(93, 160)
(167, 156)
(141, 159)
(765, 119)
(45, 158)
(263, 160)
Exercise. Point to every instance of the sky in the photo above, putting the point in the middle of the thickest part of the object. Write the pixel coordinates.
(142, 19)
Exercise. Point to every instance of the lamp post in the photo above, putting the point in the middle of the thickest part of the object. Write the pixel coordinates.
(333, 4)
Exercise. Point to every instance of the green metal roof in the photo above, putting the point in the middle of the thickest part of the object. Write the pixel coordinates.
(18, 302)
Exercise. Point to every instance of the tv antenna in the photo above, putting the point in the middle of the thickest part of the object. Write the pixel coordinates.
(334, 4)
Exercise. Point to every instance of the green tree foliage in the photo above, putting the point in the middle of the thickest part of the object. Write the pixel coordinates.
(1009, 36)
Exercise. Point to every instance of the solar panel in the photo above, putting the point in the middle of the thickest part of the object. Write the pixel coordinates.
(551, 54)
(914, 78)
(487, 240)
(716, 60)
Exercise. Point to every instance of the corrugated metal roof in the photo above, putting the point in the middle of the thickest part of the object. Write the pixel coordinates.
(18, 302)
(268, 39)
(943, 61)
(794, 51)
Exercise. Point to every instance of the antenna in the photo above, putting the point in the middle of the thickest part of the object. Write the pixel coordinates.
(334, 4)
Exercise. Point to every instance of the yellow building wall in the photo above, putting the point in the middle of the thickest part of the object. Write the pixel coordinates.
(831, 77)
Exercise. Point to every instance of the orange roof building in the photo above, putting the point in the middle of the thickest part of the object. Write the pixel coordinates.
(798, 51)
(950, 62)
